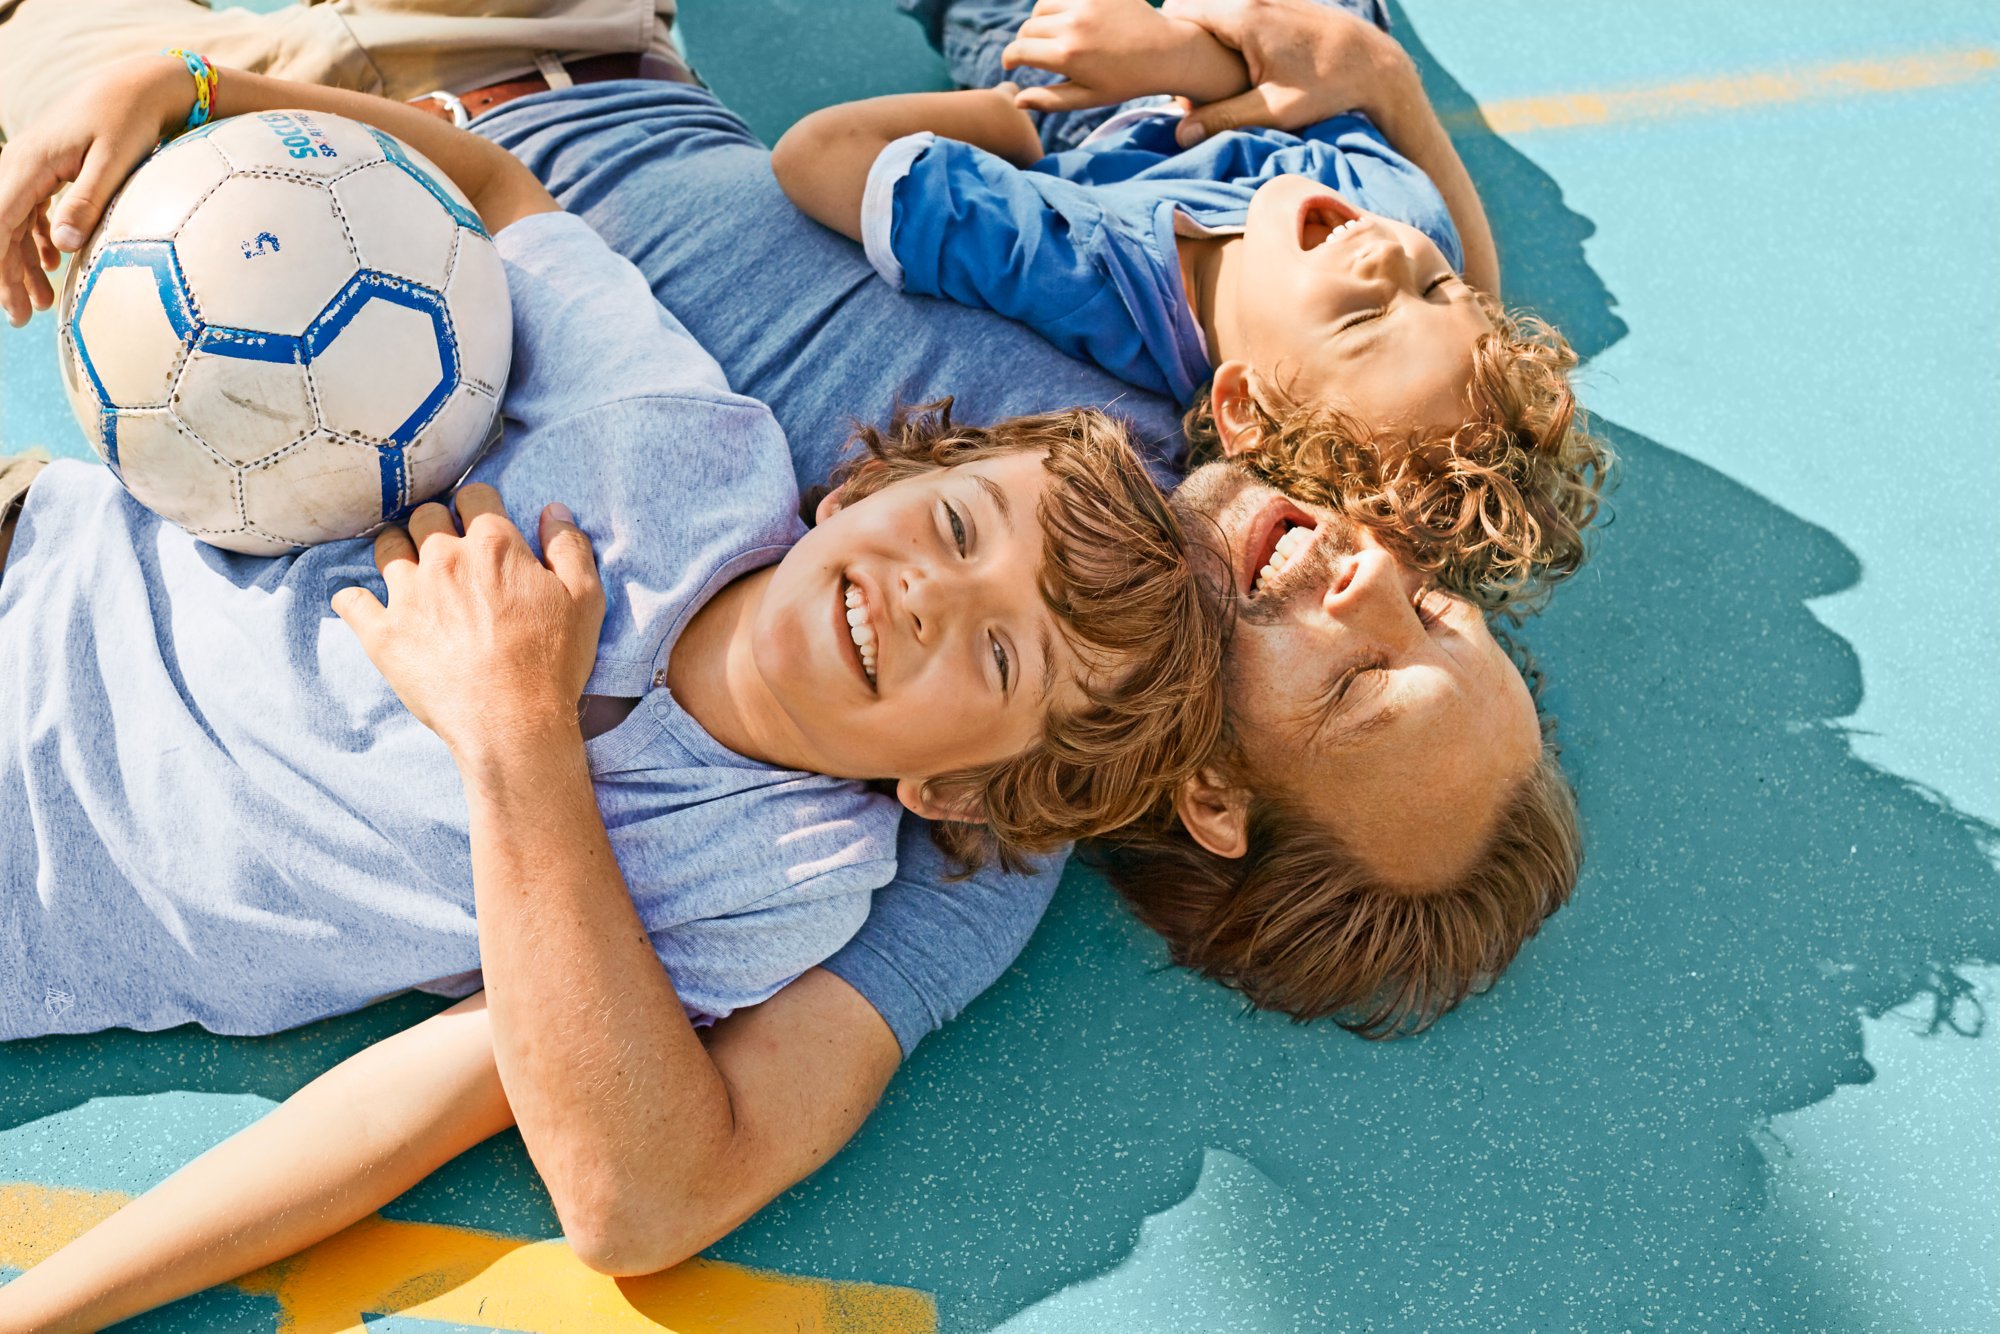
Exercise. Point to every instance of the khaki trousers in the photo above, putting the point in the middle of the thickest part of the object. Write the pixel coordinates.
(16, 471)
(398, 48)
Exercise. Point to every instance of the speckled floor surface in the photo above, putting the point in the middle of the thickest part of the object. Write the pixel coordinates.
(1745, 1080)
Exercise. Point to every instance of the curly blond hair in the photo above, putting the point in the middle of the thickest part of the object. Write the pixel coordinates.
(1122, 579)
(1495, 509)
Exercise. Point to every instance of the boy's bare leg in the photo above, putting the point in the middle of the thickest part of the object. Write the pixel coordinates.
(399, 48)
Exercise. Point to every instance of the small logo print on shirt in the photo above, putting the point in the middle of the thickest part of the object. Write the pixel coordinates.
(55, 1002)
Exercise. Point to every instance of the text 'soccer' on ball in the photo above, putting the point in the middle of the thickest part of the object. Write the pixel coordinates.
(289, 328)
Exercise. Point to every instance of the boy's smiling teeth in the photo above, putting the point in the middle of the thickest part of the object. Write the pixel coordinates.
(1296, 539)
(1324, 225)
(860, 630)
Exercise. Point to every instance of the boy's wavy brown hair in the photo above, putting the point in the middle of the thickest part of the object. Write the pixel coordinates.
(1124, 584)
(1495, 509)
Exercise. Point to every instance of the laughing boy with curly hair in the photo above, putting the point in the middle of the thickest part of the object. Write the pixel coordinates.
(1323, 300)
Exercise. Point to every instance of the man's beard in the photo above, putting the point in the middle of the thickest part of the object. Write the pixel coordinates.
(1307, 576)
(1210, 493)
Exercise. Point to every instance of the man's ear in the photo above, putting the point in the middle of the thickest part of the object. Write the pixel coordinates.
(829, 505)
(964, 809)
(1215, 813)
(1232, 395)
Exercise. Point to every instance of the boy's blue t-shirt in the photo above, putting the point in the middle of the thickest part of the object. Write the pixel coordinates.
(1081, 245)
(214, 809)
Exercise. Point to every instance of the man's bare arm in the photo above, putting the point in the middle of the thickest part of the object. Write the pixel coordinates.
(804, 1070)
(337, 1150)
(619, 1105)
(652, 1144)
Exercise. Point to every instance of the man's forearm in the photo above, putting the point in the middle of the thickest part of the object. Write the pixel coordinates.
(616, 1097)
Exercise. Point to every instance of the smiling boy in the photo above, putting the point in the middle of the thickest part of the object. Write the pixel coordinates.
(1040, 659)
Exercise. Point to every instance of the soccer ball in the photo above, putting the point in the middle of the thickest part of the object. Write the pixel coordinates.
(289, 328)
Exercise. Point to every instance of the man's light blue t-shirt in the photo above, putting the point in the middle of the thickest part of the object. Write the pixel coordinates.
(215, 808)
(1081, 246)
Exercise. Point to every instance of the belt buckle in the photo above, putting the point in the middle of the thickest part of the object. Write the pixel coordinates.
(449, 101)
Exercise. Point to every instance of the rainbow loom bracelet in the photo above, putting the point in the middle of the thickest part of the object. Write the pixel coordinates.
(206, 81)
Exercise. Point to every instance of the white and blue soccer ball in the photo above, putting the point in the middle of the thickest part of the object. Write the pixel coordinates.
(289, 328)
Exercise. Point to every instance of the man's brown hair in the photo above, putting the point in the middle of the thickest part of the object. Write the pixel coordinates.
(1495, 509)
(1301, 925)
(1121, 578)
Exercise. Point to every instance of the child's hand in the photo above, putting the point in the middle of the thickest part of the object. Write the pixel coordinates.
(1306, 62)
(1110, 51)
(89, 141)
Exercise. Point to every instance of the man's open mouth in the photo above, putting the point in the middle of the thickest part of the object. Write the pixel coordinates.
(1278, 535)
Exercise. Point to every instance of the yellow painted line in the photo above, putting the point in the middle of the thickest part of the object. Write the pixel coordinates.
(485, 1280)
(1730, 92)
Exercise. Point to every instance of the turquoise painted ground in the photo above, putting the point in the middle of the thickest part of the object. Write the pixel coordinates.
(1745, 1080)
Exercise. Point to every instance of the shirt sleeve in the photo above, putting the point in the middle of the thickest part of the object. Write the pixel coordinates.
(942, 218)
(930, 945)
(723, 964)
(587, 328)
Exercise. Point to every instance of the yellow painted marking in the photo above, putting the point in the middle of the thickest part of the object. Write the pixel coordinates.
(456, 1274)
(1730, 92)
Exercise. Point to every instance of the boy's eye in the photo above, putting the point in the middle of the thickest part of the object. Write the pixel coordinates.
(1438, 282)
(957, 526)
(1000, 660)
(1426, 607)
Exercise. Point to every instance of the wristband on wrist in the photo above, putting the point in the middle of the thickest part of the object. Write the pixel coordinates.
(207, 79)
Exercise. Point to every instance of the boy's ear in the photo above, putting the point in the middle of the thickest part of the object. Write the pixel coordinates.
(1216, 813)
(829, 505)
(1234, 404)
(964, 809)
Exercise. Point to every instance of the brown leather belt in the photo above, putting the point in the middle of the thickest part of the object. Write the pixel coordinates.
(462, 107)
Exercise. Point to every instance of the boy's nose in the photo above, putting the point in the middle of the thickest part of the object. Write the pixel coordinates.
(916, 602)
(1384, 261)
(938, 599)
